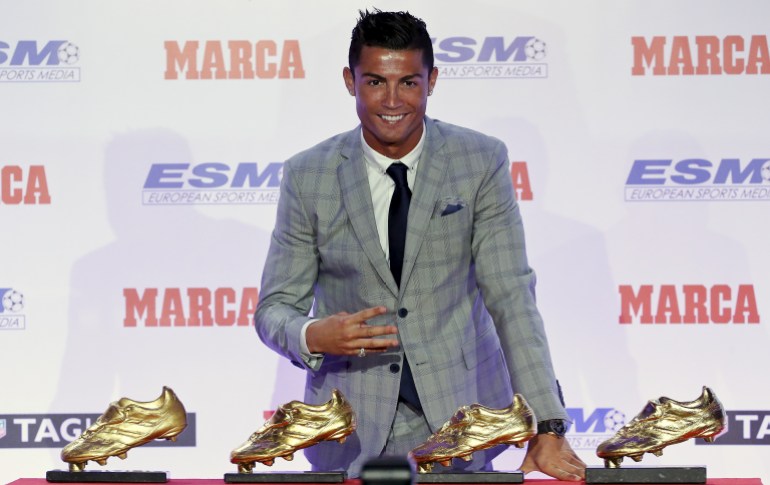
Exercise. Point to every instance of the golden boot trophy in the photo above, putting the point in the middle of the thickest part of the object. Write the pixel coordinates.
(294, 426)
(124, 425)
(474, 428)
(664, 422)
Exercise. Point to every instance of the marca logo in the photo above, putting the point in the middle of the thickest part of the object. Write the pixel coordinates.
(234, 59)
(490, 57)
(30, 61)
(688, 304)
(744, 428)
(700, 55)
(191, 307)
(697, 179)
(23, 186)
(212, 183)
(56, 430)
(520, 179)
(588, 431)
(11, 306)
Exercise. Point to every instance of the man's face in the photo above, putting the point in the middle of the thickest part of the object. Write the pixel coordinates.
(391, 90)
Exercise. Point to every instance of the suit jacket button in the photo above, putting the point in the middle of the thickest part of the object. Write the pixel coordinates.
(394, 368)
(403, 312)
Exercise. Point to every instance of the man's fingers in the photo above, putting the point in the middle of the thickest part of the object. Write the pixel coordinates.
(370, 331)
(576, 461)
(376, 344)
(573, 472)
(556, 471)
(580, 471)
(572, 475)
(366, 336)
(373, 345)
(568, 469)
(527, 465)
(355, 334)
(368, 351)
(565, 475)
(571, 461)
(363, 315)
(370, 346)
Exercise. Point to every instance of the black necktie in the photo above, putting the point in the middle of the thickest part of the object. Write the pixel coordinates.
(397, 218)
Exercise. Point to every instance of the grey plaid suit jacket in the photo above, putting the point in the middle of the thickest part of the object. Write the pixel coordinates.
(471, 330)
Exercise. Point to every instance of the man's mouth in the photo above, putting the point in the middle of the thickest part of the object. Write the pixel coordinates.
(392, 118)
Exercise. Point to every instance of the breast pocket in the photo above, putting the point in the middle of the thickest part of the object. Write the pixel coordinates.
(449, 229)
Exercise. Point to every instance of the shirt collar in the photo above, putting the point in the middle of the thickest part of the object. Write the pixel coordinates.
(380, 162)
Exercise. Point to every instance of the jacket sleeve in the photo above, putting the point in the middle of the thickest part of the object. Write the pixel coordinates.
(507, 286)
(289, 276)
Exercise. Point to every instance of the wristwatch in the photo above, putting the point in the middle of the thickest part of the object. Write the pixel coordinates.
(556, 427)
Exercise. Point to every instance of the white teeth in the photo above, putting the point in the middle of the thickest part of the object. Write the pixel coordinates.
(391, 118)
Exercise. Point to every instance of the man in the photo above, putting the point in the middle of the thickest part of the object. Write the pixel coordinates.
(410, 322)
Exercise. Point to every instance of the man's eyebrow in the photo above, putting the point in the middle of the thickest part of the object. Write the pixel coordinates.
(382, 78)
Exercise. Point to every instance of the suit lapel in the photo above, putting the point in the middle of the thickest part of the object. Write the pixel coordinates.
(357, 199)
(430, 175)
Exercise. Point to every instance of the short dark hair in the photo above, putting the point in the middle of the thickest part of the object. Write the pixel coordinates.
(391, 30)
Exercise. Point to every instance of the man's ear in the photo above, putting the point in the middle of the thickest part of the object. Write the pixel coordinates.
(432, 80)
(350, 82)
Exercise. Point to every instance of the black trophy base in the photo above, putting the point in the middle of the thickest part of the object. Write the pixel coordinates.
(471, 477)
(100, 476)
(684, 474)
(286, 477)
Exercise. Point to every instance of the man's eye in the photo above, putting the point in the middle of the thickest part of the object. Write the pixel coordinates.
(374, 82)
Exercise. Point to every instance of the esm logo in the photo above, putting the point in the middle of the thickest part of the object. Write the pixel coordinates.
(698, 179)
(30, 61)
(212, 183)
(11, 308)
(490, 57)
(591, 427)
(700, 55)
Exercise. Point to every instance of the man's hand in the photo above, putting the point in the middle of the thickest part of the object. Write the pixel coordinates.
(346, 334)
(553, 456)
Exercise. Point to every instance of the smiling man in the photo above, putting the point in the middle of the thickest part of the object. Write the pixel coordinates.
(404, 237)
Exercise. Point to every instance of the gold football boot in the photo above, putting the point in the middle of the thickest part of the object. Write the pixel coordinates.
(294, 426)
(662, 423)
(126, 424)
(474, 428)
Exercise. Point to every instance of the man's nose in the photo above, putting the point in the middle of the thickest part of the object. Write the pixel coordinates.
(392, 97)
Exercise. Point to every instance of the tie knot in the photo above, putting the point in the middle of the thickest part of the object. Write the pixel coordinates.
(397, 172)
